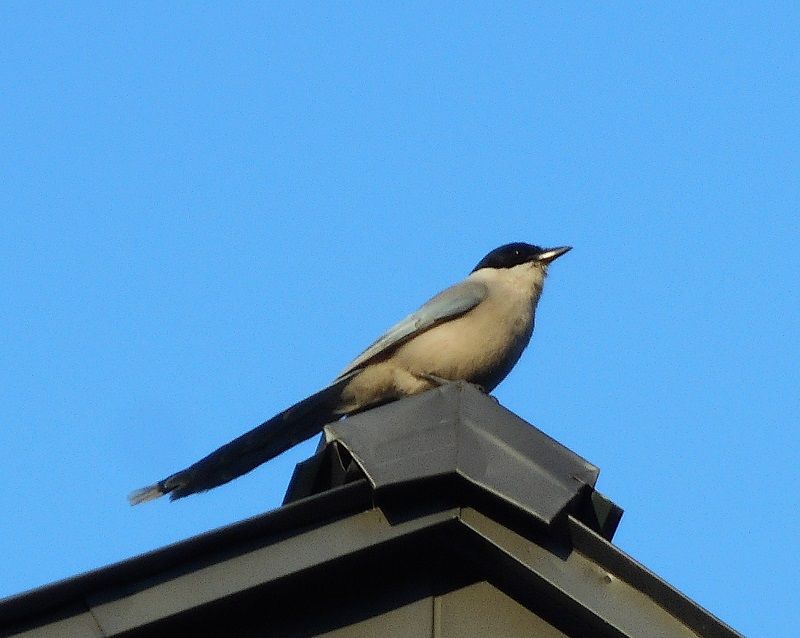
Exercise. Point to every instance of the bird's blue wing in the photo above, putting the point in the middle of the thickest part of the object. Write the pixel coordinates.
(450, 303)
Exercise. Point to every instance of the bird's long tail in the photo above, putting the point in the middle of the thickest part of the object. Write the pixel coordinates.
(295, 424)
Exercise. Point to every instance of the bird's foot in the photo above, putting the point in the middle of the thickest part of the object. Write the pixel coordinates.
(438, 381)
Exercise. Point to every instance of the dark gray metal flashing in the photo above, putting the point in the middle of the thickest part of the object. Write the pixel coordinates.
(455, 519)
(594, 595)
(612, 559)
(568, 590)
(60, 599)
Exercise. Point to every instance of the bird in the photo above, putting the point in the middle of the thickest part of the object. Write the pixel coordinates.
(474, 331)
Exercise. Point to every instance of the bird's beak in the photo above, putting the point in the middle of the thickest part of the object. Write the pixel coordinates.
(551, 254)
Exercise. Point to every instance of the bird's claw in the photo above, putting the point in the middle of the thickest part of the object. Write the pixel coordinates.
(440, 381)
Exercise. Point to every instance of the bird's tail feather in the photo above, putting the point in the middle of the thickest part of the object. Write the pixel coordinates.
(286, 429)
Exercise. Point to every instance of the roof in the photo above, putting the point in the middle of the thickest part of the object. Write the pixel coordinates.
(442, 514)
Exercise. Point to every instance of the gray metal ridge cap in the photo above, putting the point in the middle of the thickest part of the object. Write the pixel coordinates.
(457, 429)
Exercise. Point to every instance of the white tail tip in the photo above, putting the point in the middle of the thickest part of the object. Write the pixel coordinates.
(145, 494)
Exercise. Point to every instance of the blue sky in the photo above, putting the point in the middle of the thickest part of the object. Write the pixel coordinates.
(207, 210)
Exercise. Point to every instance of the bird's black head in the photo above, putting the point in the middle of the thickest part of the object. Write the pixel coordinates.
(511, 255)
